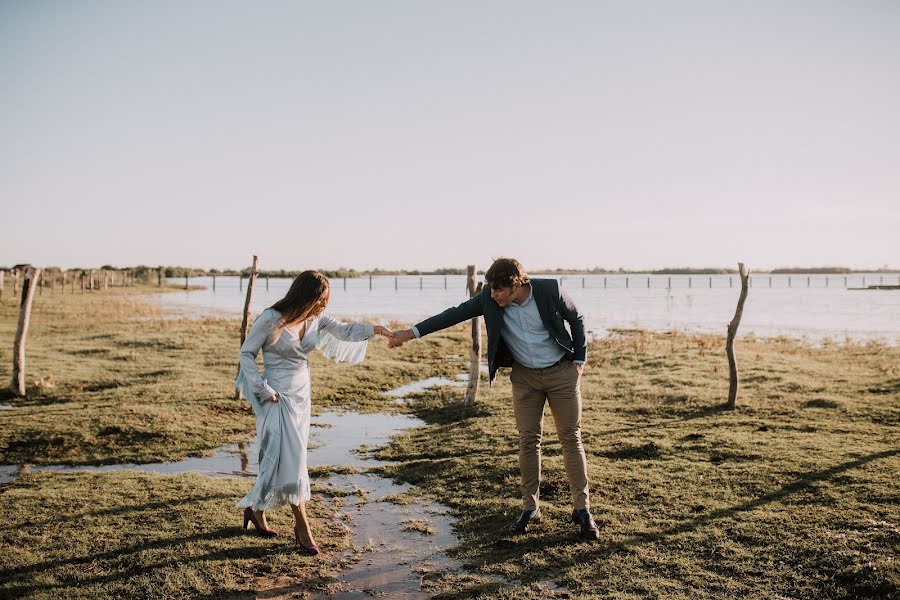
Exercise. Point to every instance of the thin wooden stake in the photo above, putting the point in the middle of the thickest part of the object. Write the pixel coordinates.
(732, 331)
(244, 321)
(18, 374)
(475, 350)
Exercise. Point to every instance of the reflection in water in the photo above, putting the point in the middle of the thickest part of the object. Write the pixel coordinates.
(393, 554)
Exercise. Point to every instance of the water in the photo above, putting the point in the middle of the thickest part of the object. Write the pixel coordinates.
(813, 307)
(389, 556)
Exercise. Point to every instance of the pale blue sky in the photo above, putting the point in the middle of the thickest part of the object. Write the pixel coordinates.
(409, 134)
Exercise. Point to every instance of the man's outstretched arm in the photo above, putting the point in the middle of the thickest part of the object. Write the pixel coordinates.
(471, 308)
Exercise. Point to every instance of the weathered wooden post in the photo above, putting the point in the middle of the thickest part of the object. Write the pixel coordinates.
(732, 331)
(214, 283)
(604, 283)
(445, 282)
(39, 283)
(582, 283)
(2, 277)
(370, 283)
(18, 373)
(83, 281)
(420, 284)
(396, 283)
(159, 277)
(186, 280)
(345, 284)
(246, 319)
(267, 283)
(475, 350)
(15, 273)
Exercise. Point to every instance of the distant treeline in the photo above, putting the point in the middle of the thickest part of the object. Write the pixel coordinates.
(147, 273)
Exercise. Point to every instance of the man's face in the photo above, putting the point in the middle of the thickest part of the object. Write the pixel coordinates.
(503, 295)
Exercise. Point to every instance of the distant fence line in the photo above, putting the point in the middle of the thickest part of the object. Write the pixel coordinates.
(70, 281)
(433, 282)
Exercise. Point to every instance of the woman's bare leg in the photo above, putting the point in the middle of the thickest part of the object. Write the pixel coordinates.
(261, 518)
(302, 524)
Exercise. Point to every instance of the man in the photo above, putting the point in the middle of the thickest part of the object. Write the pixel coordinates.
(524, 319)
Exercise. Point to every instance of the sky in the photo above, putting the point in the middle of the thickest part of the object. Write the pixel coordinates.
(406, 134)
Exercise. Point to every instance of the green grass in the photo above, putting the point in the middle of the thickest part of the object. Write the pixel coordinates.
(793, 494)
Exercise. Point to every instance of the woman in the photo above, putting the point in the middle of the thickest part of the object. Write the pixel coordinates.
(287, 332)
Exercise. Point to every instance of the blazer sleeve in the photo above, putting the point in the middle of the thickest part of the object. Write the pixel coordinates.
(576, 323)
(471, 308)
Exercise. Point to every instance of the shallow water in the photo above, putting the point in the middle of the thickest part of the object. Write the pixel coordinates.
(813, 307)
(391, 558)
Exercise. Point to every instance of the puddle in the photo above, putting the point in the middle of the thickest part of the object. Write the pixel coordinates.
(399, 394)
(394, 544)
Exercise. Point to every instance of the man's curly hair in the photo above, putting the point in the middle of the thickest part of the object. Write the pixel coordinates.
(505, 273)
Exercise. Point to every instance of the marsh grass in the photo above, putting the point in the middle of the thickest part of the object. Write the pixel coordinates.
(793, 494)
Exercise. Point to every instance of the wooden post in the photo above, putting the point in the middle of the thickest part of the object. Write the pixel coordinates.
(395, 283)
(15, 273)
(789, 281)
(420, 284)
(345, 284)
(604, 283)
(690, 282)
(186, 279)
(475, 350)
(626, 283)
(240, 282)
(2, 277)
(710, 283)
(648, 283)
(267, 283)
(445, 282)
(732, 331)
(159, 277)
(83, 281)
(582, 283)
(253, 274)
(669, 284)
(73, 282)
(370, 283)
(214, 283)
(18, 374)
(39, 283)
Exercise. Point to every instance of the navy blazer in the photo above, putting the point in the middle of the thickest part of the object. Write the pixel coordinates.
(553, 304)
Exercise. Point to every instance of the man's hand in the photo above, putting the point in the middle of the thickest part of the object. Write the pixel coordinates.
(580, 369)
(400, 337)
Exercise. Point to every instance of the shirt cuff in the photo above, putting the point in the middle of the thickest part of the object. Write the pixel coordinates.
(578, 362)
(415, 331)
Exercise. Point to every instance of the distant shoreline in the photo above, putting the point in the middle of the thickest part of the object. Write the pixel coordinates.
(143, 272)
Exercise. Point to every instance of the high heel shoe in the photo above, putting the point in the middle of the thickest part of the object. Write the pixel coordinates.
(310, 550)
(249, 517)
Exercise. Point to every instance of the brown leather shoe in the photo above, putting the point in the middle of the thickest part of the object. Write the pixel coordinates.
(527, 518)
(589, 529)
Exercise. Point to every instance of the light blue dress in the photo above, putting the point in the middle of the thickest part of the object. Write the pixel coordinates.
(282, 428)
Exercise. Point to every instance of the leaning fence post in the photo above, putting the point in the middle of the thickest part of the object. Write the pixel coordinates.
(18, 373)
(250, 280)
(732, 331)
(475, 351)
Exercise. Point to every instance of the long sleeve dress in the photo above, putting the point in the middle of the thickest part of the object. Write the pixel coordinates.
(282, 428)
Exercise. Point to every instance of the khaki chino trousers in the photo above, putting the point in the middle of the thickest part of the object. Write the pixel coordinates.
(560, 387)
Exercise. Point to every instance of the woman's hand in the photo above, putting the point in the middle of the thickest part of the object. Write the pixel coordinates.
(382, 330)
(272, 398)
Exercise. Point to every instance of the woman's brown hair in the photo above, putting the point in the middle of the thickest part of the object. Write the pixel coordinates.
(304, 299)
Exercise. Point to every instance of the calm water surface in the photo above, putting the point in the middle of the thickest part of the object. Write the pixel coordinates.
(813, 307)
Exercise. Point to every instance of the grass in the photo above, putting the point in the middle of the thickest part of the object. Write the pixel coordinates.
(793, 494)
